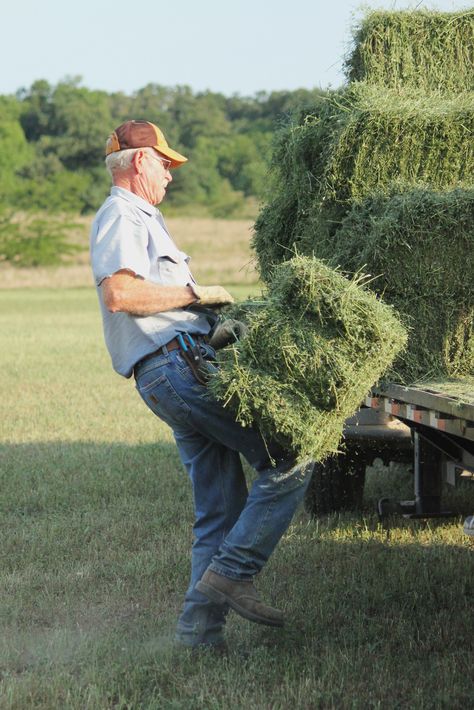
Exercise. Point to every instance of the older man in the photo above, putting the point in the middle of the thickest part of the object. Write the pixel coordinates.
(156, 324)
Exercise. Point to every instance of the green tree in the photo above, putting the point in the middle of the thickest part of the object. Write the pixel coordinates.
(200, 116)
(37, 242)
(243, 161)
(69, 121)
(52, 142)
(81, 123)
(15, 152)
(36, 109)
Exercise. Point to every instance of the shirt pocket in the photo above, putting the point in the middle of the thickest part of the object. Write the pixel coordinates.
(172, 268)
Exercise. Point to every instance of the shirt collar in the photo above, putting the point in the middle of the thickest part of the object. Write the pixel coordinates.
(138, 201)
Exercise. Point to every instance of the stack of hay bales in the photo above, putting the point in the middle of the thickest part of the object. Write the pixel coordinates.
(379, 177)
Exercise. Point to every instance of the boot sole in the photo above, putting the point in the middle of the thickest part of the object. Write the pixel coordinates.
(220, 598)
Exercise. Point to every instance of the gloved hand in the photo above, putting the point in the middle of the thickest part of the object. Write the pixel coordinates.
(227, 332)
(212, 295)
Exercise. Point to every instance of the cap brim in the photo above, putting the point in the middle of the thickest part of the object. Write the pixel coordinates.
(176, 158)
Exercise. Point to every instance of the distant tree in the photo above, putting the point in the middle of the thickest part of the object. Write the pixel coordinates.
(200, 116)
(69, 121)
(243, 161)
(36, 109)
(81, 123)
(120, 106)
(52, 142)
(63, 191)
(37, 242)
(15, 152)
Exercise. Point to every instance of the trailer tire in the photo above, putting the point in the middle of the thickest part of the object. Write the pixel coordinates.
(336, 484)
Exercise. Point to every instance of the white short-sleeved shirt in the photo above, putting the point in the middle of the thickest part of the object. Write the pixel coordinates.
(129, 233)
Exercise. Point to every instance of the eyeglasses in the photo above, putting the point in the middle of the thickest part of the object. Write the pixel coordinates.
(165, 163)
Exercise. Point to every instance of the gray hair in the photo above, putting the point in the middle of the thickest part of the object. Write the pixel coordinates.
(122, 159)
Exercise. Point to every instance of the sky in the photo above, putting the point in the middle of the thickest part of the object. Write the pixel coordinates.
(239, 47)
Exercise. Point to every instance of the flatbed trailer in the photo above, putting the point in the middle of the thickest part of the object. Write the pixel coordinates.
(440, 418)
(430, 426)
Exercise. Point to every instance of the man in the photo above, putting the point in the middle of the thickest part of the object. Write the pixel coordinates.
(156, 322)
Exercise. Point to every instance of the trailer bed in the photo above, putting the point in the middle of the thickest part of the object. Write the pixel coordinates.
(446, 405)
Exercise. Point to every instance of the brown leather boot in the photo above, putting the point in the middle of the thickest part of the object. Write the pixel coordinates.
(242, 597)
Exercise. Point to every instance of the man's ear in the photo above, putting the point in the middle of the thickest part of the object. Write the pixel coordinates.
(137, 161)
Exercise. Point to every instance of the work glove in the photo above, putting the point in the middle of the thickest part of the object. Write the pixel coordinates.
(211, 295)
(227, 332)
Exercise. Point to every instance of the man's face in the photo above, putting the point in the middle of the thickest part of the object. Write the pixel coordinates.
(155, 177)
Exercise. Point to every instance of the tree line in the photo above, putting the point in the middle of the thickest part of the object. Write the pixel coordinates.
(52, 144)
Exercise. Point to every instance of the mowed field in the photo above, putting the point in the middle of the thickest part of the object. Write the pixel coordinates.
(96, 528)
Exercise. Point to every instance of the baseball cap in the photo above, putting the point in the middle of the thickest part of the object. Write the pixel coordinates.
(142, 134)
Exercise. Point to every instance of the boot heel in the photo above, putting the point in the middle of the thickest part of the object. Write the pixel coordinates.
(211, 593)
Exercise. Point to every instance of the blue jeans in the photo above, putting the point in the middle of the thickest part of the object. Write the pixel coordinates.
(235, 531)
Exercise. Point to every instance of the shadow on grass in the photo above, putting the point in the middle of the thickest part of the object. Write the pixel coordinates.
(369, 624)
(396, 481)
(95, 545)
(96, 542)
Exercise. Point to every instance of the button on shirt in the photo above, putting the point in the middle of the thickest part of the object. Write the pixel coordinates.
(129, 233)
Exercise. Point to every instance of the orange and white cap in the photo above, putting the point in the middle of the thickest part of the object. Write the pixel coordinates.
(142, 134)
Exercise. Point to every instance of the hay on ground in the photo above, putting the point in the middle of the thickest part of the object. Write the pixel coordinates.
(313, 351)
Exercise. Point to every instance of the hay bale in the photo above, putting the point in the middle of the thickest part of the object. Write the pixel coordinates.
(419, 246)
(355, 142)
(400, 138)
(314, 349)
(423, 49)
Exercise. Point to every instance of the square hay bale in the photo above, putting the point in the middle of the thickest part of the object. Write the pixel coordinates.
(314, 349)
(400, 138)
(419, 247)
(423, 49)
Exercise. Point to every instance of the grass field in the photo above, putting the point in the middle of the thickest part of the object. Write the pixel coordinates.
(96, 528)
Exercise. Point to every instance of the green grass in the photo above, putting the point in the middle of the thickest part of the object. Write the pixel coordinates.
(95, 523)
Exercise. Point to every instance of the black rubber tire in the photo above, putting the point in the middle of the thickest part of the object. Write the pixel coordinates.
(336, 484)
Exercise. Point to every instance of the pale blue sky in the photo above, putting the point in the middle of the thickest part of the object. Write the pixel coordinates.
(233, 47)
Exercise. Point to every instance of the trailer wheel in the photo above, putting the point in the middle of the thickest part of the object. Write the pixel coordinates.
(336, 484)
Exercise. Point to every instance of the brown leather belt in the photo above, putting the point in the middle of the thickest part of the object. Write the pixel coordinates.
(172, 345)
